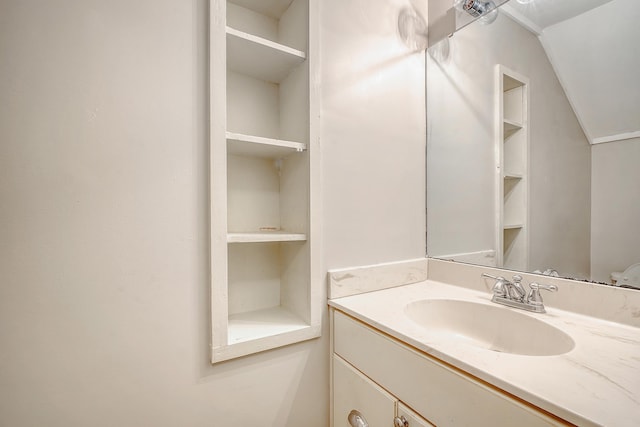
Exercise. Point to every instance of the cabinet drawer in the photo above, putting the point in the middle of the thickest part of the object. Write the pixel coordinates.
(442, 395)
(354, 391)
(413, 419)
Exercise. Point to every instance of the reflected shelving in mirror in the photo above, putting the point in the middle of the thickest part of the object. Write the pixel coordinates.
(510, 127)
(578, 194)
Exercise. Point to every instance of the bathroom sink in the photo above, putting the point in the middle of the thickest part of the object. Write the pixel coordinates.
(488, 327)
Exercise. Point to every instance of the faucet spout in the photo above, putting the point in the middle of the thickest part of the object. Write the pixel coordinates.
(515, 290)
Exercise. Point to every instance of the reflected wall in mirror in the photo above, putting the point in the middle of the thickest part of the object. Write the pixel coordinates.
(533, 141)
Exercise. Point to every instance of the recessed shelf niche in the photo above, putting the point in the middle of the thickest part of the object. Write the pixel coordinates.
(264, 301)
(512, 148)
(263, 176)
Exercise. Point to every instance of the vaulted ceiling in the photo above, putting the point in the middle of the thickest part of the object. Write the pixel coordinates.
(593, 47)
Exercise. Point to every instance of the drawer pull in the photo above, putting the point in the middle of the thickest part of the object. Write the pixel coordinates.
(400, 422)
(356, 419)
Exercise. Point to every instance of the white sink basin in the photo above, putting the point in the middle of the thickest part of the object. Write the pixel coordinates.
(489, 327)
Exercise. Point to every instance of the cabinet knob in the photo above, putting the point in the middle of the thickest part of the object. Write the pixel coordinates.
(400, 422)
(356, 419)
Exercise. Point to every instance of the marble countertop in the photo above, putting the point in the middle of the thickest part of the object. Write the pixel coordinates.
(597, 383)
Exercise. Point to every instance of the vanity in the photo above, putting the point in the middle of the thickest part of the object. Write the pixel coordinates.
(520, 176)
(435, 353)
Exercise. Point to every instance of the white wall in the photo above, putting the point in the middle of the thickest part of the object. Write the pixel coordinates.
(460, 170)
(602, 54)
(615, 204)
(373, 134)
(104, 314)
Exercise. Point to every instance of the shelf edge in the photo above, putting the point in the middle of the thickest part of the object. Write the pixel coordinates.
(265, 43)
(265, 237)
(513, 226)
(296, 146)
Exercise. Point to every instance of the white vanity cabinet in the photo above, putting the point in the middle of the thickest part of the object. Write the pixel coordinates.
(374, 374)
(354, 393)
(411, 418)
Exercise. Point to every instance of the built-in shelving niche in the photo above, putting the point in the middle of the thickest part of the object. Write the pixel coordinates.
(263, 280)
(512, 148)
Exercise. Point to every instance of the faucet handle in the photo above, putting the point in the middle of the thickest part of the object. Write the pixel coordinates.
(550, 288)
(500, 287)
(534, 298)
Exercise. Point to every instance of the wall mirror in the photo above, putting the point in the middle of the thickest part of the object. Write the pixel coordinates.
(533, 141)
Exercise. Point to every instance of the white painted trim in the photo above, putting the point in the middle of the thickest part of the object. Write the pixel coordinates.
(486, 257)
(331, 351)
(356, 280)
(245, 348)
(218, 173)
(498, 196)
(509, 11)
(317, 296)
(614, 138)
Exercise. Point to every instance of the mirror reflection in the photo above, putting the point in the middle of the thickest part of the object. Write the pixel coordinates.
(533, 141)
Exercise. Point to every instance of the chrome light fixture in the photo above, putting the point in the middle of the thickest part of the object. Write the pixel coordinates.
(485, 10)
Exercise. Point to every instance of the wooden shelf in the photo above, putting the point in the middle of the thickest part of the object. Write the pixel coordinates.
(510, 127)
(513, 176)
(248, 145)
(513, 226)
(265, 237)
(260, 58)
(262, 323)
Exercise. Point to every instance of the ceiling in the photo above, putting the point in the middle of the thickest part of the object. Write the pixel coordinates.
(544, 13)
(592, 45)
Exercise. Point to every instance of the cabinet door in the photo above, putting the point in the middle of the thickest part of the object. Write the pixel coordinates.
(353, 391)
(412, 419)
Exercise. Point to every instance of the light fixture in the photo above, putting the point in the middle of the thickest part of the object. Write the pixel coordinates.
(486, 11)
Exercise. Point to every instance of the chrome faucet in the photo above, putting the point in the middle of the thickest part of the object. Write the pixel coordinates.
(513, 294)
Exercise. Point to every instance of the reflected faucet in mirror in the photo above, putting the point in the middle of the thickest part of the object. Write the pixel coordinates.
(546, 161)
